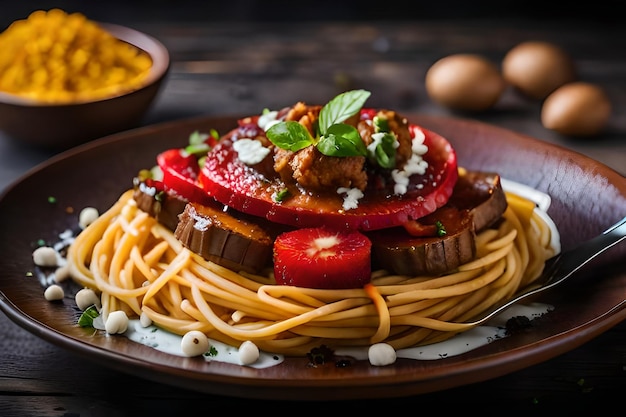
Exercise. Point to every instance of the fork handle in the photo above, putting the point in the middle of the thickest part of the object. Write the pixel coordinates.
(591, 248)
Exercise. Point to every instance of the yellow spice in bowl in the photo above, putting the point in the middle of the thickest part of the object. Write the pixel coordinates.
(56, 57)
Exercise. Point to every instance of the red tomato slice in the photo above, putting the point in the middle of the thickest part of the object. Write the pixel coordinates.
(180, 175)
(239, 186)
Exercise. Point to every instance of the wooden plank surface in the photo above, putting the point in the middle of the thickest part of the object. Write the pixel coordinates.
(241, 67)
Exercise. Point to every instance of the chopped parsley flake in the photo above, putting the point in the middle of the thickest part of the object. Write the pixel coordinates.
(212, 352)
(281, 195)
(441, 230)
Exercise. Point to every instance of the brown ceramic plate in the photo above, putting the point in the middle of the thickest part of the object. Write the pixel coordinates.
(587, 197)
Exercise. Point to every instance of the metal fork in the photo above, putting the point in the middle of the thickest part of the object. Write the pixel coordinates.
(562, 266)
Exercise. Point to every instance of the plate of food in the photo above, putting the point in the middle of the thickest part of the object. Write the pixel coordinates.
(313, 252)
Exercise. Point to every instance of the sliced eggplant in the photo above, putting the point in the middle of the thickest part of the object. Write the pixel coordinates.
(215, 232)
(217, 236)
(163, 206)
(482, 194)
(242, 242)
(397, 251)
(478, 202)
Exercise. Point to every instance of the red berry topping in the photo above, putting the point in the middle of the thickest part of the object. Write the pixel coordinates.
(322, 258)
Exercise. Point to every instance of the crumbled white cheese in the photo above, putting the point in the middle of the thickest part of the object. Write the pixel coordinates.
(54, 293)
(248, 353)
(267, 120)
(351, 197)
(87, 216)
(62, 273)
(381, 354)
(151, 191)
(250, 151)
(415, 165)
(377, 138)
(116, 323)
(201, 224)
(194, 343)
(45, 256)
(145, 320)
(86, 298)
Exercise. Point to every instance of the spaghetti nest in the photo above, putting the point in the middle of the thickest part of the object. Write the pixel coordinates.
(138, 266)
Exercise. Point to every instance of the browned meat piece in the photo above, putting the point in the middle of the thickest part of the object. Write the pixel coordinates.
(305, 115)
(282, 166)
(398, 125)
(313, 170)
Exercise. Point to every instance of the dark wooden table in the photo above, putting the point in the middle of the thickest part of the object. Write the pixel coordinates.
(240, 67)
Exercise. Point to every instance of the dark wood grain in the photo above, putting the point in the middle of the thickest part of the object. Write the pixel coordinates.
(243, 65)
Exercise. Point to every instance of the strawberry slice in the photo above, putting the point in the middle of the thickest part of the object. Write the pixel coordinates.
(323, 258)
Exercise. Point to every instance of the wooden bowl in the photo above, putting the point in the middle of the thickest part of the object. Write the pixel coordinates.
(64, 125)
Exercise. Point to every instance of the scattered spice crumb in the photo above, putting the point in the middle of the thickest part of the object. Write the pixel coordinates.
(517, 324)
(319, 355)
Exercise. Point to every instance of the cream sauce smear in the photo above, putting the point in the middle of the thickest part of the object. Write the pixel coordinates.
(170, 343)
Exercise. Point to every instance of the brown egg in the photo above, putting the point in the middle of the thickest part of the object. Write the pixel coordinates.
(576, 109)
(537, 68)
(464, 82)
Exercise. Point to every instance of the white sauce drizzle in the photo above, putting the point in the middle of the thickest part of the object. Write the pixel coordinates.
(170, 343)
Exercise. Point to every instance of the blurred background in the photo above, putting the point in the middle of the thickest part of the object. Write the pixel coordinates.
(237, 57)
(255, 10)
(230, 57)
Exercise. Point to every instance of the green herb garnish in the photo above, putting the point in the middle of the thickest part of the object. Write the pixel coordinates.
(332, 136)
(385, 151)
(212, 352)
(281, 195)
(86, 319)
(381, 124)
(198, 143)
(441, 230)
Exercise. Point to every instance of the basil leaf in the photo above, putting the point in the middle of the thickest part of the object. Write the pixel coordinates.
(197, 149)
(342, 140)
(386, 151)
(87, 317)
(381, 124)
(289, 135)
(197, 138)
(340, 108)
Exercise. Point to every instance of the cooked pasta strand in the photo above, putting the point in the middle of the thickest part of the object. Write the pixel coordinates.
(139, 266)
